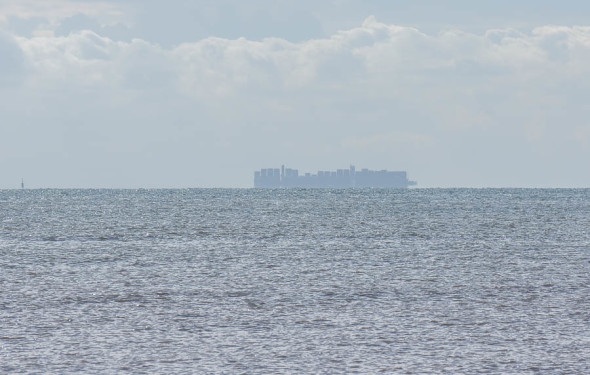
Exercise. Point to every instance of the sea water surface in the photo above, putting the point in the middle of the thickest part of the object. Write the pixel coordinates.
(295, 281)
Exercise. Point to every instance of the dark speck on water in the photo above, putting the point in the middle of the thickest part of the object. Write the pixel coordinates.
(295, 281)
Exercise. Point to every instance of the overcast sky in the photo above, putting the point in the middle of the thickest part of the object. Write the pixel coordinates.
(200, 93)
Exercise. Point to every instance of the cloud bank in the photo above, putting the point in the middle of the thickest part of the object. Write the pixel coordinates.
(498, 108)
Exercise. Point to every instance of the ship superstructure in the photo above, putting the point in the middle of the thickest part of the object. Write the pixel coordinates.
(271, 178)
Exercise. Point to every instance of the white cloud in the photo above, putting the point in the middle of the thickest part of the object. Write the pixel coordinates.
(374, 53)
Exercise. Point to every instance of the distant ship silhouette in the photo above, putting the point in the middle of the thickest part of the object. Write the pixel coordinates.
(339, 179)
(22, 183)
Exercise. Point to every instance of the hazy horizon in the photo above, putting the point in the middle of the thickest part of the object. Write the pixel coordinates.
(198, 94)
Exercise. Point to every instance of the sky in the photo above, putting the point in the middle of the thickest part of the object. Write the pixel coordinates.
(201, 93)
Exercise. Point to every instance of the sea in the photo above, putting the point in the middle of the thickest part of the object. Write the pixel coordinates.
(247, 281)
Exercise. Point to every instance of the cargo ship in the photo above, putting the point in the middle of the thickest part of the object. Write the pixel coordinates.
(271, 178)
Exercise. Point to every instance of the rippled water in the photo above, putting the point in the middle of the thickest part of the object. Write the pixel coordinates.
(321, 281)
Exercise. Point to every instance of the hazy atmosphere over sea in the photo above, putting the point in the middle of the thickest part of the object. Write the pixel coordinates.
(131, 93)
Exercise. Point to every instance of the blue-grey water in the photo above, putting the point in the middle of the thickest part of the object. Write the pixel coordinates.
(295, 281)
